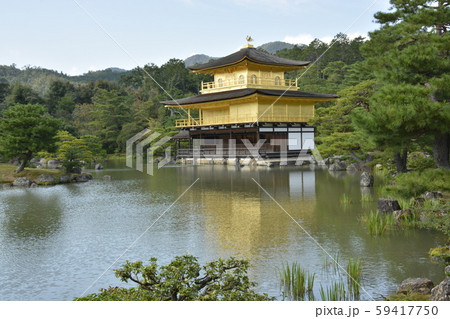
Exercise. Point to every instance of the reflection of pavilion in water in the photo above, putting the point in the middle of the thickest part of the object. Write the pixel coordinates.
(242, 218)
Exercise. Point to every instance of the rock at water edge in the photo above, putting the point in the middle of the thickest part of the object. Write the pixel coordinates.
(441, 292)
(22, 182)
(386, 205)
(45, 179)
(366, 179)
(418, 285)
(338, 166)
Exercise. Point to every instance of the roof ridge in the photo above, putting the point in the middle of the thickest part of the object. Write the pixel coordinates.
(252, 54)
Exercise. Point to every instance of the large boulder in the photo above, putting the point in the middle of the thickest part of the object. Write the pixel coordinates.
(366, 179)
(22, 182)
(417, 285)
(81, 178)
(53, 163)
(88, 176)
(99, 166)
(338, 166)
(42, 162)
(442, 291)
(386, 205)
(45, 179)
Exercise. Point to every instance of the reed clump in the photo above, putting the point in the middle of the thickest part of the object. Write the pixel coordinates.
(296, 282)
(378, 223)
(354, 276)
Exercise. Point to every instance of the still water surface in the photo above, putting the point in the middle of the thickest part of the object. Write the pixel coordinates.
(56, 241)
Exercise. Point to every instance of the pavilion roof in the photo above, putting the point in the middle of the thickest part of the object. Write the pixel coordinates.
(232, 94)
(251, 54)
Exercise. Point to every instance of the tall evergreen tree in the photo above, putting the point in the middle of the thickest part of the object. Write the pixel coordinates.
(111, 111)
(409, 55)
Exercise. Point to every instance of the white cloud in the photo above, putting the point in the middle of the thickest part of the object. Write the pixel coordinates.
(302, 38)
(307, 38)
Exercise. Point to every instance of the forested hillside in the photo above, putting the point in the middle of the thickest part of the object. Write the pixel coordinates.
(114, 111)
(39, 79)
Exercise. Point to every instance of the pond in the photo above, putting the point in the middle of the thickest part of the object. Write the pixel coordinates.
(57, 241)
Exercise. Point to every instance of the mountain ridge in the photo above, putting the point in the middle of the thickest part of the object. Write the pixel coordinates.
(40, 78)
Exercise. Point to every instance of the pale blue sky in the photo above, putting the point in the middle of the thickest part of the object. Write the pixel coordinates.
(57, 34)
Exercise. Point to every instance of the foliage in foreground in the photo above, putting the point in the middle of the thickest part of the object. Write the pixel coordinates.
(184, 279)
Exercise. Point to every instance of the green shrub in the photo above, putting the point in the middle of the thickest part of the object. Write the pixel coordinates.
(411, 184)
(420, 161)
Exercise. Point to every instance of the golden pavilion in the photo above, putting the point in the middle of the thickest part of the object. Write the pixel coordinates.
(251, 99)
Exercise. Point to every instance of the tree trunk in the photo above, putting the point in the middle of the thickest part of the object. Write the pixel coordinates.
(441, 149)
(24, 162)
(400, 161)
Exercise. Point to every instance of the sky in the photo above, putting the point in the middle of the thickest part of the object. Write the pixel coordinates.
(76, 36)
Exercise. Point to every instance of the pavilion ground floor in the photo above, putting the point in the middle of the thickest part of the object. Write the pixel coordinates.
(264, 140)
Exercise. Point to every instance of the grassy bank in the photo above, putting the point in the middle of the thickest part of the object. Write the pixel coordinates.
(8, 174)
(430, 213)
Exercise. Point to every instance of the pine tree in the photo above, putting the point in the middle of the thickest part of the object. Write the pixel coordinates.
(409, 56)
(336, 134)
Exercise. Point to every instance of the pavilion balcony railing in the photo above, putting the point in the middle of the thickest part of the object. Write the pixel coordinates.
(239, 119)
(249, 82)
